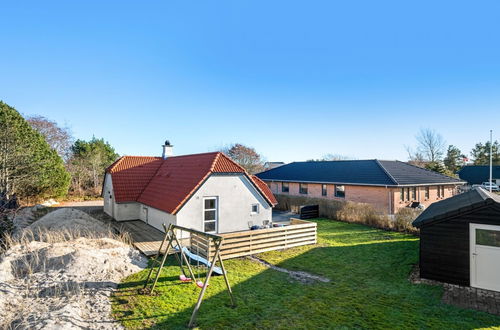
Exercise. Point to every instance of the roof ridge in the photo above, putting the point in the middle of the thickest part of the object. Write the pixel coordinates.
(386, 172)
(115, 163)
(214, 162)
(428, 170)
(198, 154)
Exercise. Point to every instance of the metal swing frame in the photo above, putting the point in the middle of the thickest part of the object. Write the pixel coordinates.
(170, 238)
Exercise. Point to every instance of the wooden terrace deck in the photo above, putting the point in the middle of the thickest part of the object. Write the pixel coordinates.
(145, 238)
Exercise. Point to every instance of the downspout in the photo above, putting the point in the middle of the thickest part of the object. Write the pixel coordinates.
(390, 199)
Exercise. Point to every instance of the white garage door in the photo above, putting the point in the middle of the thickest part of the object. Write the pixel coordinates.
(485, 256)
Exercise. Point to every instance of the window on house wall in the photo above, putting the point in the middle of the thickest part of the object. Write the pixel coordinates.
(407, 194)
(339, 191)
(440, 192)
(427, 192)
(303, 188)
(323, 190)
(255, 208)
(414, 193)
(402, 194)
(210, 214)
(284, 187)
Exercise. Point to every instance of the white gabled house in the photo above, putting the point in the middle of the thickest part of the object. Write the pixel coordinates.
(207, 192)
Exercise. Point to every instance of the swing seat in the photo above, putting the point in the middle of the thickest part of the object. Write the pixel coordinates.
(200, 284)
(184, 278)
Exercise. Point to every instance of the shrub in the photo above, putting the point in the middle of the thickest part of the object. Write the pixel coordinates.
(403, 219)
(363, 213)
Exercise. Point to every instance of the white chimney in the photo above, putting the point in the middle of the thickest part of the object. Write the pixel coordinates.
(168, 150)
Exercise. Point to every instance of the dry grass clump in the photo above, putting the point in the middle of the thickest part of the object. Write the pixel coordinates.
(403, 219)
(46, 275)
(363, 213)
(41, 234)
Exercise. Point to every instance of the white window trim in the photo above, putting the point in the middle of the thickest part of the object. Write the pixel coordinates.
(216, 209)
(258, 209)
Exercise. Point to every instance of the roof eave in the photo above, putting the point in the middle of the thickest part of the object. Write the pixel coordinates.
(368, 184)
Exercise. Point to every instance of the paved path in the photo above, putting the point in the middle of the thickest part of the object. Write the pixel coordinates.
(464, 296)
(472, 298)
(283, 216)
(81, 204)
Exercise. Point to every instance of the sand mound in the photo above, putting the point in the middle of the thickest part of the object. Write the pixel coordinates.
(69, 219)
(64, 285)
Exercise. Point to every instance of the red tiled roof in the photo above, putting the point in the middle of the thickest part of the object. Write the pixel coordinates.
(131, 174)
(168, 184)
(265, 190)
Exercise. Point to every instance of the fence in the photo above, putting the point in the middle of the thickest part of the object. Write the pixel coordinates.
(243, 243)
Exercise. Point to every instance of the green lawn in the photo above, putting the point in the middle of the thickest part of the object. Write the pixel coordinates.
(369, 288)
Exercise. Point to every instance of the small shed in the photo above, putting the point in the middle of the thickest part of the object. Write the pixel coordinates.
(460, 240)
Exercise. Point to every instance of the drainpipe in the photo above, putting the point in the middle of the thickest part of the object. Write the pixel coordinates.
(390, 199)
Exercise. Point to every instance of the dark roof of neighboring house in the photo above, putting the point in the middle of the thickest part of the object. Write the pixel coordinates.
(477, 174)
(166, 184)
(455, 205)
(357, 172)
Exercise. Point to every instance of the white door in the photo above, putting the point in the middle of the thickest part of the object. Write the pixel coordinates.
(485, 256)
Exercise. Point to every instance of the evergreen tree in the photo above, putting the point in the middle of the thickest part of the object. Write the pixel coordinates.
(28, 165)
(88, 162)
(481, 153)
(436, 167)
(454, 159)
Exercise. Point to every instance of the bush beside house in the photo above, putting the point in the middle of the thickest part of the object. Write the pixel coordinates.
(361, 213)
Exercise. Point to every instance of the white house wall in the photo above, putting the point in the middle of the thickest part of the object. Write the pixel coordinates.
(107, 194)
(118, 211)
(155, 217)
(236, 195)
(126, 211)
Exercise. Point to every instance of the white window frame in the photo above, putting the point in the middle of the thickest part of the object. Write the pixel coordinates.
(216, 209)
(258, 209)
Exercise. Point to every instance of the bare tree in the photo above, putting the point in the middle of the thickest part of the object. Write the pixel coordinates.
(59, 138)
(335, 157)
(415, 157)
(245, 156)
(431, 145)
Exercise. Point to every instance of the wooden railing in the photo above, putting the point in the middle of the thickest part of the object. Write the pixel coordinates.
(243, 243)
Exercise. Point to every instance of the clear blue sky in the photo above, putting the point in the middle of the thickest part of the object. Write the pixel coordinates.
(295, 80)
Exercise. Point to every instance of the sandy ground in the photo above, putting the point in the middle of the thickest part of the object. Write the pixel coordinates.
(64, 283)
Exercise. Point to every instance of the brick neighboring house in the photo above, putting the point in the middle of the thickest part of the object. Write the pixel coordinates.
(388, 185)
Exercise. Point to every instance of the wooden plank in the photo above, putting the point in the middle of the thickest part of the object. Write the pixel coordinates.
(252, 247)
(270, 235)
(258, 240)
(267, 230)
(237, 255)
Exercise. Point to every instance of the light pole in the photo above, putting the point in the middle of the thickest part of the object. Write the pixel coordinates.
(491, 159)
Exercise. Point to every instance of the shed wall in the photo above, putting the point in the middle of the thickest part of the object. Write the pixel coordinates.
(444, 246)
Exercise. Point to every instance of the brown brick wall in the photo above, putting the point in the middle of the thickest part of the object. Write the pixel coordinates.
(384, 199)
(420, 196)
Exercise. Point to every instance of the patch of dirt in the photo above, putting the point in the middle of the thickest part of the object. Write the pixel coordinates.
(64, 284)
(300, 276)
